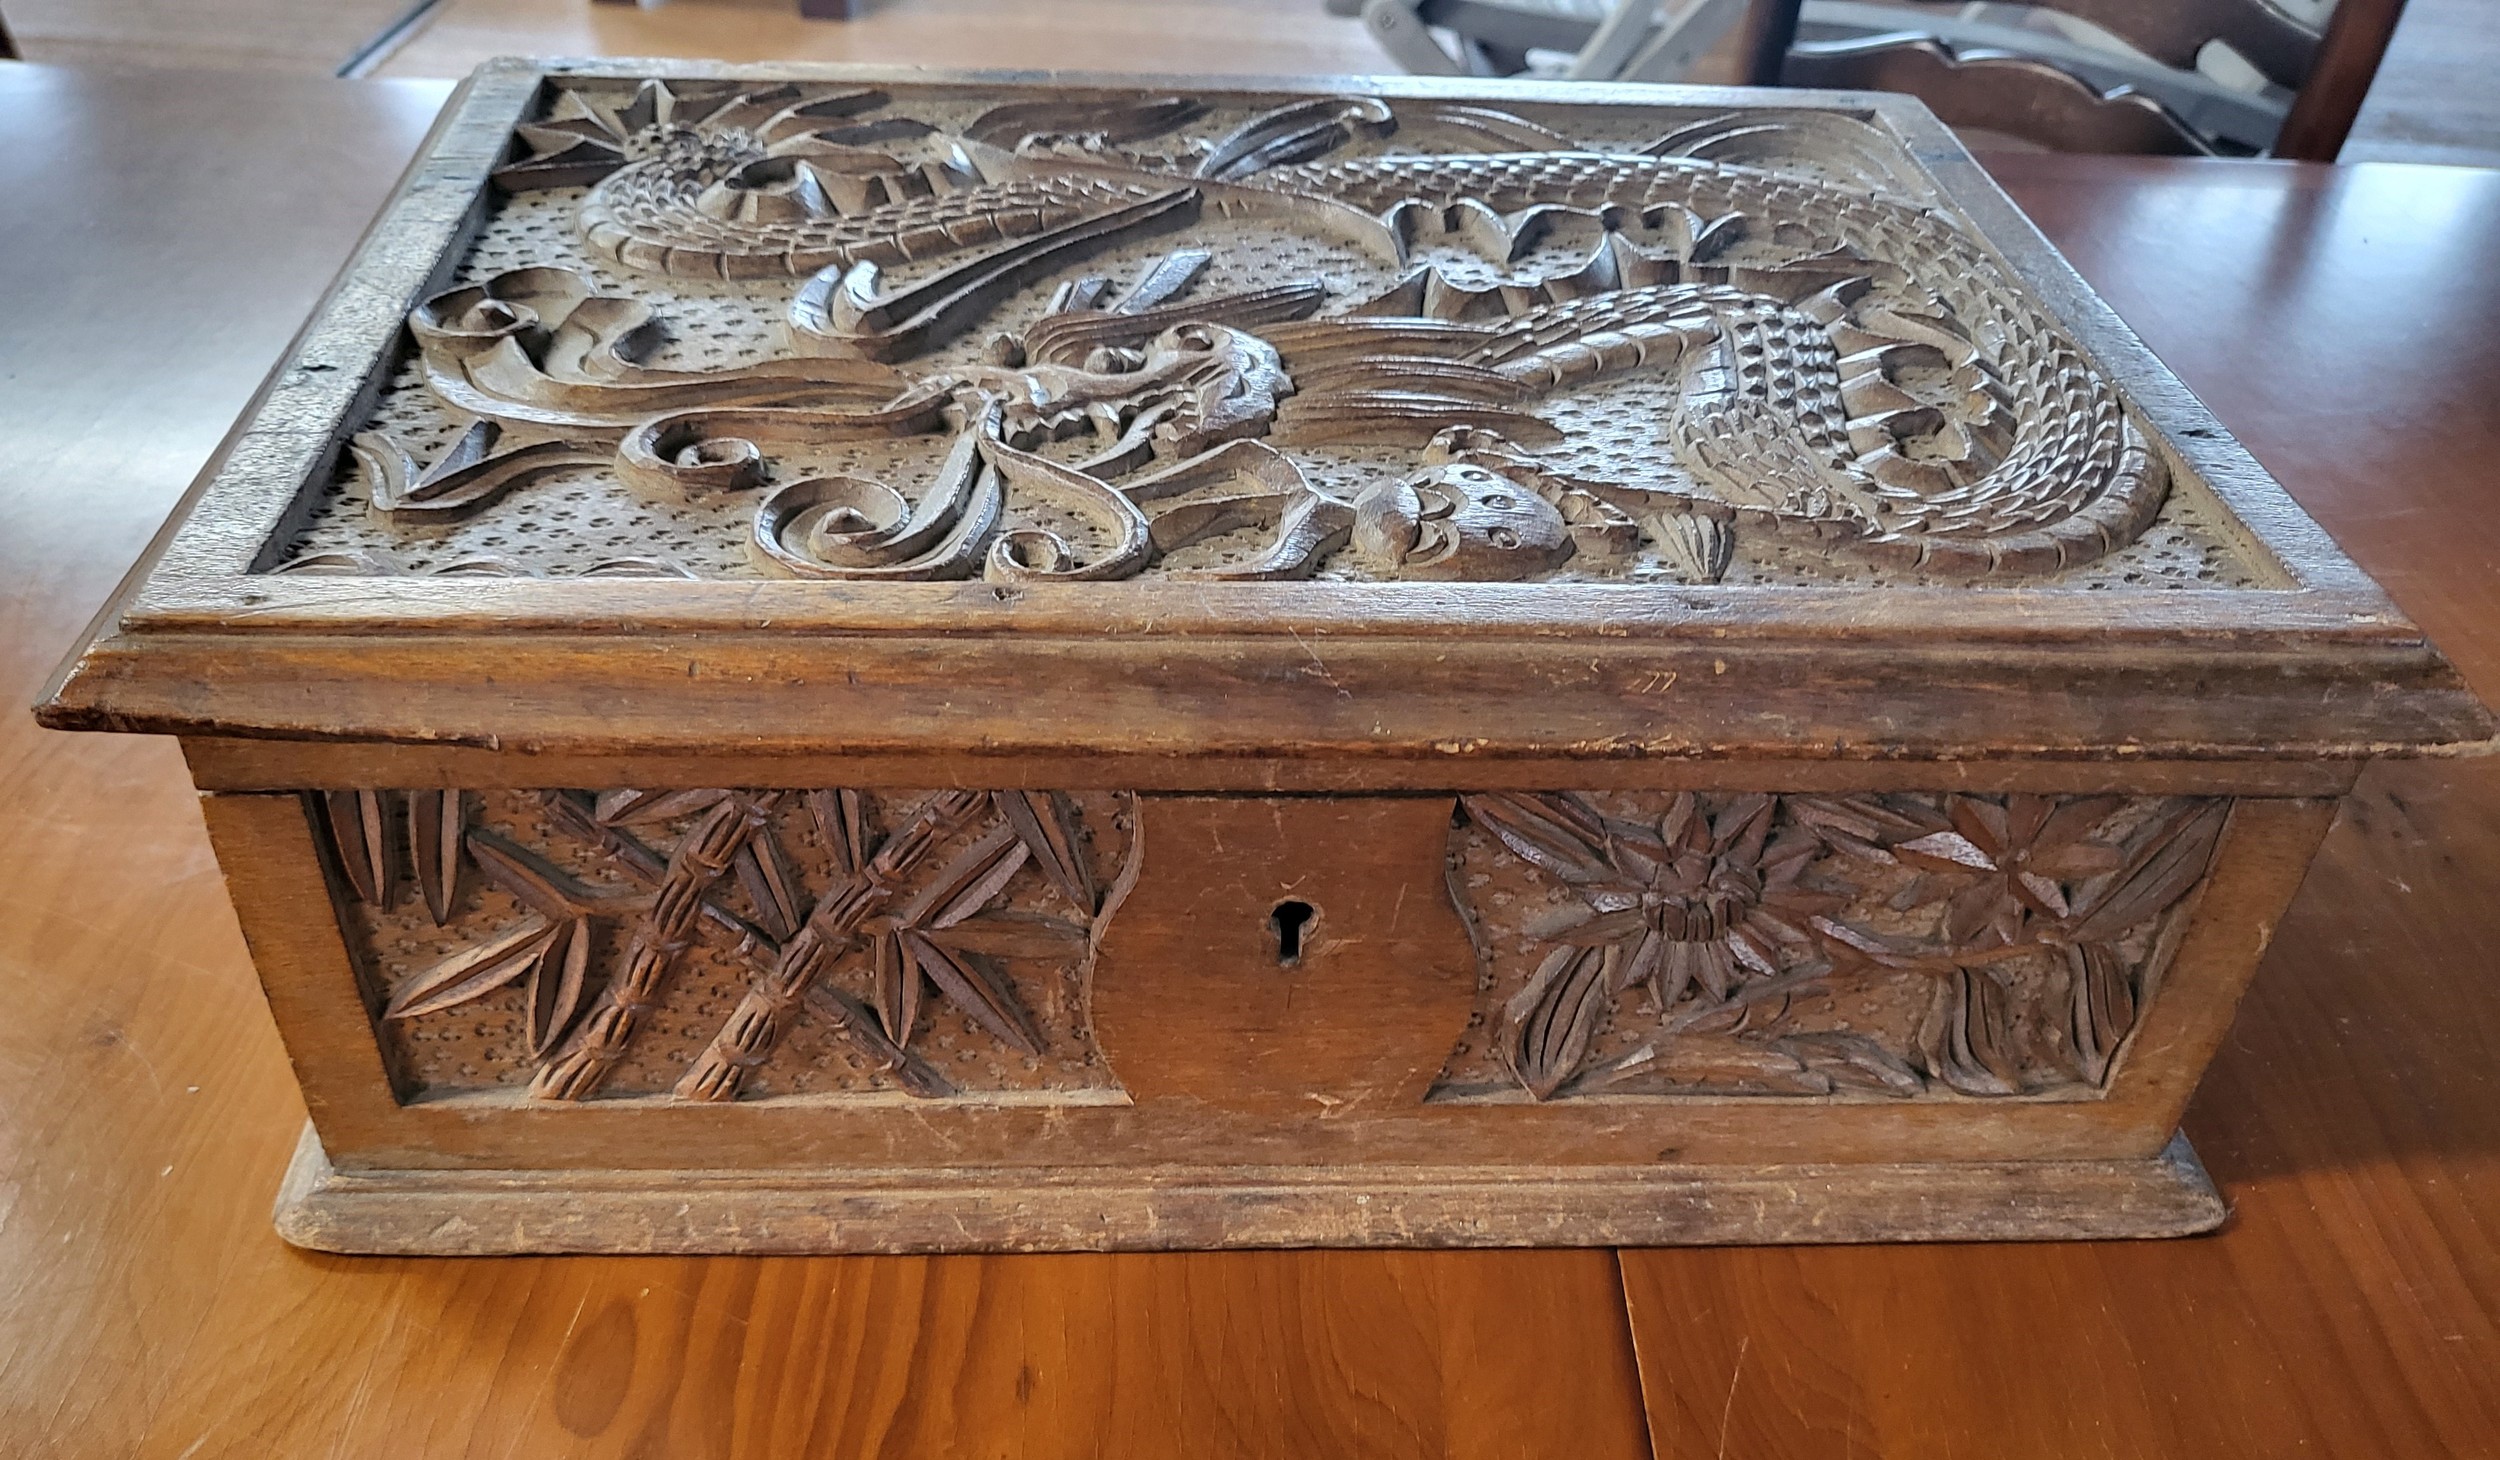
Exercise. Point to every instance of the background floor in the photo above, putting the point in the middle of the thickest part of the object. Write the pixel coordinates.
(2434, 101)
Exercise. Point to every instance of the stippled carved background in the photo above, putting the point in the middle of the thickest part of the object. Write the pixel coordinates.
(1871, 946)
(716, 945)
(715, 329)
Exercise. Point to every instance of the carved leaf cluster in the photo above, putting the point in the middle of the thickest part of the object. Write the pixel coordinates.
(1725, 910)
(907, 926)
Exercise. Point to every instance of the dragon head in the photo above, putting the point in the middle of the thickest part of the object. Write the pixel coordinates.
(1460, 521)
(1191, 386)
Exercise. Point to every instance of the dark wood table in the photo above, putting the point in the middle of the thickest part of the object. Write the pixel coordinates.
(160, 237)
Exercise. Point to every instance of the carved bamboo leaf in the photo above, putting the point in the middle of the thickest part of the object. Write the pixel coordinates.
(771, 884)
(1741, 828)
(1946, 851)
(1740, 1007)
(1679, 967)
(966, 884)
(1981, 821)
(436, 821)
(1861, 826)
(894, 982)
(1553, 1018)
(1737, 1064)
(860, 1026)
(2041, 894)
(842, 822)
(1981, 910)
(612, 807)
(472, 972)
(1715, 967)
(1678, 823)
(2062, 847)
(1853, 946)
(1601, 929)
(1853, 1060)
(538, 882)
(1008, 933)
(970, 984)
(1534, 830)
(2173, 859)
(1753, 948)
(1047, 825)
(2024, 816)
(642, 808)
(1649, 956)
(558, 975)
(360, 830)
(2103, 1005)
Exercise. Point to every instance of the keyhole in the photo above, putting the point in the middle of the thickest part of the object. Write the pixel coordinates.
(1290, 918)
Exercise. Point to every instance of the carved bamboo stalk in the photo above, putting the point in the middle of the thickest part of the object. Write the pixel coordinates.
(660, 940)
(747, 1038)
(749, 943)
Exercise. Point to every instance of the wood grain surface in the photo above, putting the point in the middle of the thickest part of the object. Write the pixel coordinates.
(2342, 323)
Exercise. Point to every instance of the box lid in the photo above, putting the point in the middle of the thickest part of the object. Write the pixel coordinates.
(809, 409)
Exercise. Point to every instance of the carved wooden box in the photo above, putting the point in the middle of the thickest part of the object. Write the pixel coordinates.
(847, 661)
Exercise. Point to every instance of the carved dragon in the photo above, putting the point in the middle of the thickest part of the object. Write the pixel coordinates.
(1858, 376)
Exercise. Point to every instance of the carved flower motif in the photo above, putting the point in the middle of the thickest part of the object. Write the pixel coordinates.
(2032, 875)
(2011, 862)
(1701, 903)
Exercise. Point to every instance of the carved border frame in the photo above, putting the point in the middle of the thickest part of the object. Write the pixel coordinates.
(198, 644)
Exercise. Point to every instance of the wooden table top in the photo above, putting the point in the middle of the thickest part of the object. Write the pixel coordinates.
(162, 236)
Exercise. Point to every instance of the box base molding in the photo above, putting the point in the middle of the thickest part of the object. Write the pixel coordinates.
(478, 1213)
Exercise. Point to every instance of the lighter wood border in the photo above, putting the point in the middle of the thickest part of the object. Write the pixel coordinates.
(796, 1212)
(275, 765)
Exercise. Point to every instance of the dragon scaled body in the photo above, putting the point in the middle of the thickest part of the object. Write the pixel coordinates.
(1857, 376)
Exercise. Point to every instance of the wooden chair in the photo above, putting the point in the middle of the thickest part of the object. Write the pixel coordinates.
(1607, 40)
(812, 9)
(1988, 66)
(2070, 94)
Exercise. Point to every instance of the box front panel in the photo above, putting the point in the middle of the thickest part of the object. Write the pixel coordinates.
(889, 977)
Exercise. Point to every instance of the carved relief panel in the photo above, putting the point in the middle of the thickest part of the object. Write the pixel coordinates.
(895, 335)
(710, 945)
(1890, 947)
(713, 944)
